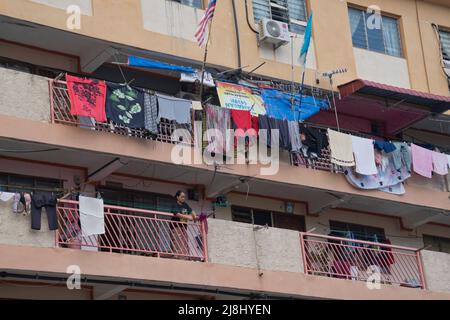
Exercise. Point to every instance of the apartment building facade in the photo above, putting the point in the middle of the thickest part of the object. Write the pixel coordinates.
(382, 66)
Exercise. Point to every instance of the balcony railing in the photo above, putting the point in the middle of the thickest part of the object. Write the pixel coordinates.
(60, 113)
(133, 231)
(361, 260)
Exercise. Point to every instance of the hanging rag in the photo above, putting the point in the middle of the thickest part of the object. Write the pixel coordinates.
(385, 146)
(314, 139)
(422, 160)
(219, 119)
(242, 119)
(6, 196)
(440, 163)
(401, 156)
(92, 217)
(87, 97)
(341, 148)
(174, 109)
(294, 135)
(364, 155)
(125, 105)
(151, 112)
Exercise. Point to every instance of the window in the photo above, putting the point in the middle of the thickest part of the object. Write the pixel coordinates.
(20, 183)
(437, 243)
(445, 45)
(191, 3)
(292, 12)
(365, 233)
(366, 35)
(264, 217)
(136, 199)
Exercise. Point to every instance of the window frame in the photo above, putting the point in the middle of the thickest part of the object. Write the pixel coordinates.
(202, 4)
(363, 10)
(439, 240)
(34, 181)
(291, 21)
(381, 231)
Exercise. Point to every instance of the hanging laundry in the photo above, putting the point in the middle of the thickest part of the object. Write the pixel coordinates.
(314, 139)
(402, 156)
(387, 179)
(255, 124)
(285, 141)
(174, 109)
(264, 124)
(364, 155)
(87, 97)
(151, 112)
(422, 160)
(440, 163)
(294, 135)
(92, 217)
(6, 196)
(242, 119)
(87, 122)
(448, 157)
(47, 201)
(125, 105)
(341, 148)
(219, 119)
(385, 146)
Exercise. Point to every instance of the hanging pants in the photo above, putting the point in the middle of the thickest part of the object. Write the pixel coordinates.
(47, 201)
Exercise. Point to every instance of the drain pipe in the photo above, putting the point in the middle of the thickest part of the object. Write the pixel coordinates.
(238, 41)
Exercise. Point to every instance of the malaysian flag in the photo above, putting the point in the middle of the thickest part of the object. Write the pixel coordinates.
(201, 34)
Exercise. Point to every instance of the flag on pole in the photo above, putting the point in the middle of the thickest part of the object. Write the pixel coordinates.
(201, 33)
(306, 43)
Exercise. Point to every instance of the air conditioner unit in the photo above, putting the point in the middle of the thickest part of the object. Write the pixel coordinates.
(274, 32)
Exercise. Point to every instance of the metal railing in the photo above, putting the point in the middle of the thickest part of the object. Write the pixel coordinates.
(60, 113)
(133, 231)
(361, 260)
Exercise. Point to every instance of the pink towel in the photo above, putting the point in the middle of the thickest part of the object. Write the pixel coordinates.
(440, 163)
(422, 160)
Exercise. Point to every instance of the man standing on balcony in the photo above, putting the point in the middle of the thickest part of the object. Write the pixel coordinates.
(182, 214)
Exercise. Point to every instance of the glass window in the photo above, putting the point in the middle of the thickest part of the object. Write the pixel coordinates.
(360, 232)
(437, 243)
(292, 12)
(191, 3)
(20, 183)
(263, 217)
(367, 35)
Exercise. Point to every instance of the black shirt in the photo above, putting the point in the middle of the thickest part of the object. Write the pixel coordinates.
(180, 208)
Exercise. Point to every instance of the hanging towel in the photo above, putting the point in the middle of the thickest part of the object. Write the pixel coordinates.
(341, 148)
(219, 119)
(87, 97)
(151, 112)
(422, 160)
(125, 105)
(448, 156)
(440, 163)
(174, 109)
(92, 218)
(364, 155)
(242, 119)
(294, 134)
(6, 196)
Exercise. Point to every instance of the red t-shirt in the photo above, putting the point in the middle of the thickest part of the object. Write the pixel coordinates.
(87, 97)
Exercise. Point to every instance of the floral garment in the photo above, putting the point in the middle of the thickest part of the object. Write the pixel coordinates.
(125, 106)
(87, 97)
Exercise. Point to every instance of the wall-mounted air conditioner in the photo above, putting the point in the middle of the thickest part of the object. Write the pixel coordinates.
(274, 32)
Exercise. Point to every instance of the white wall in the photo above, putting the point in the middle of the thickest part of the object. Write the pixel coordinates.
(170, 18)
(437, 270)
(284, 53)
(85, 5)
(382, 68)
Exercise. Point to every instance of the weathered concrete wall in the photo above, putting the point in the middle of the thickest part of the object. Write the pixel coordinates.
(236, 244)
(437, 270)
(15, 229)
(24, 95)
